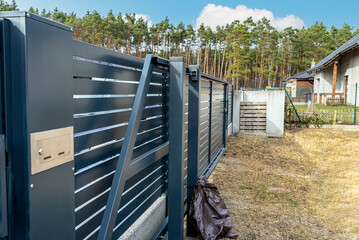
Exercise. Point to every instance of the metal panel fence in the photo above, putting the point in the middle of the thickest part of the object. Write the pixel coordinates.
(104, 93)
(142, 128)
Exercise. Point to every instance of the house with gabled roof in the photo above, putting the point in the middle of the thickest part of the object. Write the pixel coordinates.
(300, 84)
(336, 75)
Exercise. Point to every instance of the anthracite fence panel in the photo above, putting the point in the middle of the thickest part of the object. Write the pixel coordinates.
(142, 128)
(105, 90)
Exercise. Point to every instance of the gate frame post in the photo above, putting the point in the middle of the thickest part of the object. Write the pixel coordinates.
(176, 148)
(194, 108)
(232, 101)
(38, 97)
(225, 115)
(210, 121)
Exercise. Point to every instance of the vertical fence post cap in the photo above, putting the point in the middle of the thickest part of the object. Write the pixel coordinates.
(195, 66)
(177, 59)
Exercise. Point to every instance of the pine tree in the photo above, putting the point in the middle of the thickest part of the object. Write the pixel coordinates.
(249, 53)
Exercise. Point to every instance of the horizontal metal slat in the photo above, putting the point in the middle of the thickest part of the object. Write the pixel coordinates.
(204, 124)
(84, 86)
(96, 180)
(87, 105)
(85, 159)
(91, 122)
(214, 80)
(215, 136)
(215, 153)
(217, 121)
(85, 69)
(216, 128)
(203, 111)
(202, 167)
(153, 191)
(217, 111)
(89, 140)
(203, 156)
(204, 118)
(205, 84)
(132, 189)
(205, 91)
(204, 135)
(86, 50)
(204, 104)
(203, 146)
(217, 139)
(215, 149)
(205, 97)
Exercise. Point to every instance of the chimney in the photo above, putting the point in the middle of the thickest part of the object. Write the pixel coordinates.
(312, 64)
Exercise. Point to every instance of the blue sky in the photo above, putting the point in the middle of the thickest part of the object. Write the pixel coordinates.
(189, 11)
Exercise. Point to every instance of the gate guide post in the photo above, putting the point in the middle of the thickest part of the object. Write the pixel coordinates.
(176, 148)
(225, 114)
(194, 108)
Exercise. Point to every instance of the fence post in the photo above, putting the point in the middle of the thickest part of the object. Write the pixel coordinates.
(355, 106)
(193, 136)
(232, 101)
(176, 148)
(210, 120)
(225, 114)
(335, 117)
(38, 87)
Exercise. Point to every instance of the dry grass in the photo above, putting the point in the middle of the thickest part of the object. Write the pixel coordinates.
(319, 166)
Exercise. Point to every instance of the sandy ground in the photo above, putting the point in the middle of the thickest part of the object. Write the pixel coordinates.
(302, 186)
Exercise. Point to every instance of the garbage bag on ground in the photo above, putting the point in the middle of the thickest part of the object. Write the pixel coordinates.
(208, 213)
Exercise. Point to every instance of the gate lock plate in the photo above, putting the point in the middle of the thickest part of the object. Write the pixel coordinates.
(51, 148)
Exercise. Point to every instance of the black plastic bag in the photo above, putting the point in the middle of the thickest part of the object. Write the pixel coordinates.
(208, 213)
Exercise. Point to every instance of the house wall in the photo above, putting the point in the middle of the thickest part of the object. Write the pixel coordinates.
(348, 65)
(292, 84)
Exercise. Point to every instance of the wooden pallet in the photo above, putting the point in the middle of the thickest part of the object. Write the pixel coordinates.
(253, 117)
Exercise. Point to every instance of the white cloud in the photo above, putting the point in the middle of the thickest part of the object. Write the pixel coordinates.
(144, 17)
(213, 15)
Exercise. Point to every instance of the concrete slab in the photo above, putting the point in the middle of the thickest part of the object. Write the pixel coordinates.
(148, 223)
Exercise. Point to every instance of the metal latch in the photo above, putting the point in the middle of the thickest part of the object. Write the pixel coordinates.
(193, 73)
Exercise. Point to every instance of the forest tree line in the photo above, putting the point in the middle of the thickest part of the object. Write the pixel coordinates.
(250, 54)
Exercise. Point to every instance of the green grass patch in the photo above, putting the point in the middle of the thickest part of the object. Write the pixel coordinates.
(324, 107)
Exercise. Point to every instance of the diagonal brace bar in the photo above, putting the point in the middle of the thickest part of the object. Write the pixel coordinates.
(119, 179)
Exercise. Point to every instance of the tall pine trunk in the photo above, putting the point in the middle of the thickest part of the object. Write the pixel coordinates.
(224, 54)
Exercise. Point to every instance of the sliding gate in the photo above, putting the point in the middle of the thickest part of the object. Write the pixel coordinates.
(94, 137)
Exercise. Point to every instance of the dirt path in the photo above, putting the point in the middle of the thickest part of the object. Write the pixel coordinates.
(302, 186)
